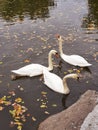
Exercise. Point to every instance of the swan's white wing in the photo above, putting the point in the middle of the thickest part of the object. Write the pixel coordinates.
(53, 81)
(30, 70)
(75, 60)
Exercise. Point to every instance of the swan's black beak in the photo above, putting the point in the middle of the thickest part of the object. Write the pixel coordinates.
(79, 77)
(57, 36)
(57, 55)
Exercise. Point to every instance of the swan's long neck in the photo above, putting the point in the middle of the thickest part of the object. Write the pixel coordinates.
(60, 45)
(66, 88)
(50, 63)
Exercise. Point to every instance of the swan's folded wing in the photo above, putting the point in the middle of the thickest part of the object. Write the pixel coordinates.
(53, 81)
(29, 70)
(75, 60)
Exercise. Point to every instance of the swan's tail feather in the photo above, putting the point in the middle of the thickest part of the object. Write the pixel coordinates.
(86, 65)
(16, 72)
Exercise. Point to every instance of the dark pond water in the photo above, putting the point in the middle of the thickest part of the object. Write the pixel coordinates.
(27, 34)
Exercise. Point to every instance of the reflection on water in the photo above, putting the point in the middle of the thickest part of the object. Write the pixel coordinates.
(30, 42)
(90, 21)
(13, 10)
(17, 9)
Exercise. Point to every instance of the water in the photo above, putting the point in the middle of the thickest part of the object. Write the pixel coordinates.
(27, 34)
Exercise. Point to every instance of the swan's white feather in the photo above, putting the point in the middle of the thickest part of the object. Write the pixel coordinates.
(53, 81)
(30, 70)
(75, 60)
(35, 69)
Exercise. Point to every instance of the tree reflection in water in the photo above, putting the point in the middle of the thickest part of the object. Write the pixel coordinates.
(13, 10)
(91, 20)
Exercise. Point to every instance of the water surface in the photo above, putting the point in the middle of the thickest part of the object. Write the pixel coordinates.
(27, 34)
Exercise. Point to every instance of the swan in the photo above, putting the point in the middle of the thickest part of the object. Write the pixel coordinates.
(35, 69)
(55, 83)
(75, 60)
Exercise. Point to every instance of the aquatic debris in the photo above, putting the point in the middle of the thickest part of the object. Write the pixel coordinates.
(33, 118)
(17, 111)
(46, 112)
(54, 105)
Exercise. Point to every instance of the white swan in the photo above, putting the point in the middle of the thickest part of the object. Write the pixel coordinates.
(75, 60)
(35, 69)
(55, 83)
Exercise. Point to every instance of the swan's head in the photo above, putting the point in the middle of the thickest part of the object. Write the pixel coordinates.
(60, 39)
(74, 76)
(54, 52)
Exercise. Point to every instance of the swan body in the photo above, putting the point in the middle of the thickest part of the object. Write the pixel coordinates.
(75, 60)
(55, 83)
(35, 69)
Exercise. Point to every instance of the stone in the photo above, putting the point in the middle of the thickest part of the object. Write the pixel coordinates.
(73, 117)
(91, 121)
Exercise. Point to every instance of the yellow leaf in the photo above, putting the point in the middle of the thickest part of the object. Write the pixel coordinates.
(18, 100)
(54, 105)
(7, 103)
(12, 112)
(43, 106)
(18, 123)
(27, 61)
(1, 62)
(43, 92)
(65, 72)
(19, 127)
(1, 108)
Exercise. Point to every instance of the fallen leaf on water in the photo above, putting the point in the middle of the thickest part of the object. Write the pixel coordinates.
(38, 100)
(43, 39)
(27, 61)
(43, 106)
(15, 36)
(19, 127)
(28, 114)
(18, 100)
(46, 112)
(54, 105)
(65, 72)
(4, 101)
(70, 70)
(7, 103)
(1, 108)
(12, 93)
(21, 89)
(33, 118)
(11, 124)
(29, 49)
(18, 113)
(43, 92)
(87, 82)
(1, 62)
(0, 81)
